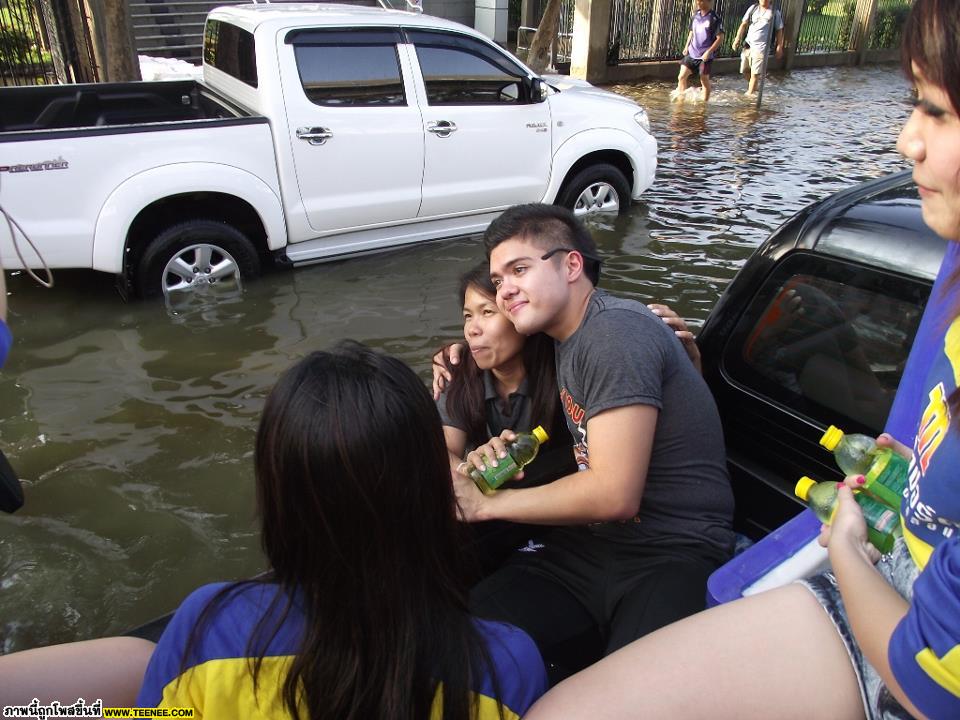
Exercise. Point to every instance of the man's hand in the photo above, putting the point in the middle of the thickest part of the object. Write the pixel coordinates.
(736, 43)
(779, 52)
(706, 56)
(679, 327)
(469, 497)
(441, 374)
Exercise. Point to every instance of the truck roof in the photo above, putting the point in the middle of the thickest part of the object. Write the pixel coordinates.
(282, 15)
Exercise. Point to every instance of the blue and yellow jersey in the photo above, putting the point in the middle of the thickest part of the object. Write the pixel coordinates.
(924, 651)
(216, 680)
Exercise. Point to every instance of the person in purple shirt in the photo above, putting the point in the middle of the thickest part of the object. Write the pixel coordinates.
(705, 36)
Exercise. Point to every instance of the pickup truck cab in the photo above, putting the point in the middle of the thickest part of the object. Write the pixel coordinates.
(318, 132)
(815, 330)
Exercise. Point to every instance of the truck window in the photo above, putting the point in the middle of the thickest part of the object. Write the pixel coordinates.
(460, 70)
(829, 339)
(352, 68)
(230, 49)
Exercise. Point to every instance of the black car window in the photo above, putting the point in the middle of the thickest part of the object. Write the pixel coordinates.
(460, 70)
(829, 339)
(349, 68)
(230, 49)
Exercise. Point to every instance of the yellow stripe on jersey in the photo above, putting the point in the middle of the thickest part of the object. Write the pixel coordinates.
(944, 671)
(951, 347)
(223, 688)
(920, 550)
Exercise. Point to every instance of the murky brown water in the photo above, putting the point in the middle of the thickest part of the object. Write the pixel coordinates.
(133, 428)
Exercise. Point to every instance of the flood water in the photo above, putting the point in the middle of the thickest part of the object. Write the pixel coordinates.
(132, 427)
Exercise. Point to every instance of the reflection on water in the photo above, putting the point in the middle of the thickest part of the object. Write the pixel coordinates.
(132, 425)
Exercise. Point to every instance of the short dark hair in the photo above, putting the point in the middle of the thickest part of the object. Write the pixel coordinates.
(548, 227)
(931, 39)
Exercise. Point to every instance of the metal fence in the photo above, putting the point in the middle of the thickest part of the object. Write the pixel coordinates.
(646, 30)
(24, 46)
(563, 46)
(888, 24)
(826, 26)
(45, 41)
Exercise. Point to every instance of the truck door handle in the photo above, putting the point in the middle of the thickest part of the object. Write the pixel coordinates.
(442, 128)
(314, 135)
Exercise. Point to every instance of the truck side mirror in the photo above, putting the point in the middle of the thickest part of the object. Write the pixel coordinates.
(538, 90)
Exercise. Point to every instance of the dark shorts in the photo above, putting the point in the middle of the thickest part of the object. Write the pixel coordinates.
(698, 66)
(898, 570)
(581, 596)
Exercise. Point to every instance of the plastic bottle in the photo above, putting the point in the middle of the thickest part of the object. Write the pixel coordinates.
(520, 452)
(884, 470)
(882, 522)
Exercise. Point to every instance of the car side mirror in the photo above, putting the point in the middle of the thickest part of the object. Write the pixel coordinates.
(538, 90)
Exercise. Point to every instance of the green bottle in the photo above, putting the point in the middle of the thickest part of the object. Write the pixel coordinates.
(520, 452)
(883, 524)
(884, 470)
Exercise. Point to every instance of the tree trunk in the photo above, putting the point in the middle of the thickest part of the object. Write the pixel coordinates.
(113, 40)
(538, 57)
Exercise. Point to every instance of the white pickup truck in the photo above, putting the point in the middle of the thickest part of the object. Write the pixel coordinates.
(318, 132)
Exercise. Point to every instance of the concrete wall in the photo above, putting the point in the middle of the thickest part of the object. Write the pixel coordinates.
(461, 11)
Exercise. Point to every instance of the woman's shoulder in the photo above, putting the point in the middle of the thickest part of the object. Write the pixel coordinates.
(520, 672)
(509, 644)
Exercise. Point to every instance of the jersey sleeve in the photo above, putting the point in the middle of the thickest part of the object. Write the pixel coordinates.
(924, 651)
(521, 674)
(159, 682)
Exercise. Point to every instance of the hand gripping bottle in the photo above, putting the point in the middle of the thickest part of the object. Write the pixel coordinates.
(884, 470)
(882, 522)
(520, 452)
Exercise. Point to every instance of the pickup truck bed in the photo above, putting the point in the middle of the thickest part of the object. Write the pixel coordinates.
(61, 107)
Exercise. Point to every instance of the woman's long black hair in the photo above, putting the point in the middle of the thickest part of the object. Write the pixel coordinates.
(931, 40)
(359, 527)
(465, 394)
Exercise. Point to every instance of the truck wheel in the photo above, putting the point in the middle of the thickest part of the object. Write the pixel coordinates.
(196, 255)
(596, 189)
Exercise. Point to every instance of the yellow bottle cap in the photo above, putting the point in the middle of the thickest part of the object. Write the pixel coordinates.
(803, 487)
(540, 434)
(831, 437)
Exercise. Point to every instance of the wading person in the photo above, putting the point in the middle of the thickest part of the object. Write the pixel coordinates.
(872, 639)
(363, 613)
(648, 516)
(703, 40)
(756, 24)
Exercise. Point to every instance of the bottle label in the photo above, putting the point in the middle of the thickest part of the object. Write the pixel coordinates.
(878, 516)
(497, 476)
(887, 478)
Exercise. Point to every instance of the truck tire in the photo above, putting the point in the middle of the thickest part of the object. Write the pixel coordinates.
(600, 188)
(196, 255)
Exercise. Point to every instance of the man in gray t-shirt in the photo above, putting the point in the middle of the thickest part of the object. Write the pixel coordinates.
(648, 517)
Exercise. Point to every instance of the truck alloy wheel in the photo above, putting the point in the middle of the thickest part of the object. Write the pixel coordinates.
(197, 255)
(596, 189)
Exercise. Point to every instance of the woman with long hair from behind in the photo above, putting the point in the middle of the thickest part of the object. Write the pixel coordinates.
(363, 613)
(874, 638)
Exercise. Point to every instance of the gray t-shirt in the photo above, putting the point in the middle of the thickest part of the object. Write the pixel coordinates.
(758, 29)
(622, 354)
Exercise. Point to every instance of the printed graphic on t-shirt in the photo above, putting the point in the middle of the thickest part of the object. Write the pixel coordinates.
(929, 511)
(578, 428)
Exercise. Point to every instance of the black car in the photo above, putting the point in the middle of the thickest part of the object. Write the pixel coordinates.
(814, 331)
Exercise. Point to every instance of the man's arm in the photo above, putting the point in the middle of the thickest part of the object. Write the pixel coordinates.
(686, 45)
(779, 43)
(740, 31)
(621, 441)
